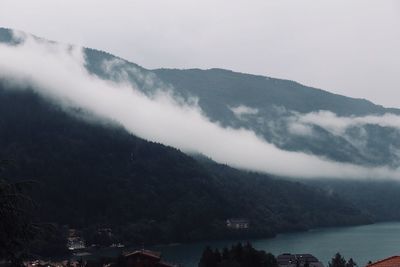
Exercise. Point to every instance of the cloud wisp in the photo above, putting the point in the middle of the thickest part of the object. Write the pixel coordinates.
(242, 111)
(58, 72)
(338, 125)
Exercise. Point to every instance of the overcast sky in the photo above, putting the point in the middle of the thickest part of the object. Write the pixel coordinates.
(343, 46)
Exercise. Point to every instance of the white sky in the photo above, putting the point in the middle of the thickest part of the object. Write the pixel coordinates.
(351, 47)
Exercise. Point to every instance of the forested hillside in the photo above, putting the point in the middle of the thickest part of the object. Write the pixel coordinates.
(93, 173)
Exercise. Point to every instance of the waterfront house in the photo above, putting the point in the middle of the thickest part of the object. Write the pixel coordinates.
(237, 223)
(74, 240)
(294, 260)
(144, 258)
(393, 261)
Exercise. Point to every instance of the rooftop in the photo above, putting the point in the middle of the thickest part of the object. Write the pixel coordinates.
(287, 257)
(238, 220)
(149, 253)
(393, 261)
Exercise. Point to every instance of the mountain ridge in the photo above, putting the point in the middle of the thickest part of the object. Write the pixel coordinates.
(219, 92)
(277, 108)
(261, 76)
(96, 175)
(6, 36)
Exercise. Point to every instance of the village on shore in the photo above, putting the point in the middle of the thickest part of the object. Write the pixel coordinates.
(210, 258)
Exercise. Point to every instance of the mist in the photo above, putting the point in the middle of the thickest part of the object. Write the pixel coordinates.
(242, 111)
(338, 125)
(345, 47)
(58, 73)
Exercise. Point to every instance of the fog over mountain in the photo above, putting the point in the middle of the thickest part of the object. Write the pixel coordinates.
(273, 137)
(346, 47)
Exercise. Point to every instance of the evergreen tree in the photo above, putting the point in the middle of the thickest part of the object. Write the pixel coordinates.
(237, 251)
(351, 263)
(217, 256)
(225, 254)
(16, 227)
(337, 261)
(237, 256)
(208, 258)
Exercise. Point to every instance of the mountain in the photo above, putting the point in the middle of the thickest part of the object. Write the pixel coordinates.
(271, 107)
(379, 199)
(285, 113)
(92, 174)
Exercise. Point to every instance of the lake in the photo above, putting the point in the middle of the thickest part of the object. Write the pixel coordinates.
(362, 243)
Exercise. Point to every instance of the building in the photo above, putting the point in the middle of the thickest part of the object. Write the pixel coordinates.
(294, 260)
(144, 258)
(40, 263)
(74, 240)
(238, 223)
(393, 261)
(74, 243)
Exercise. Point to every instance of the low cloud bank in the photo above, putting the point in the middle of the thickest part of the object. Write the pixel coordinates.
(58, 72)
(338, 125)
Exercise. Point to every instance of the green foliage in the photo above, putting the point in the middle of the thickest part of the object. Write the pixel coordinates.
(50, 242)
(21, 236)
(95, 175)
(380, 199)
(351, 263)
(238, 255)
(17, 229)
(339, 261)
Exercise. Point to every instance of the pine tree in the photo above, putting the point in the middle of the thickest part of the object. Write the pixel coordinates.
(16, 227)
(337, 261)
(351, 263)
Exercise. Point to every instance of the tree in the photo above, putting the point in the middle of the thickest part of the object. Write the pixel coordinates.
(337, 261)
(208, 258)
(268, 260)
(237, 256)
(217, 256)
(16, 226)
(351, 263)
(225, 254)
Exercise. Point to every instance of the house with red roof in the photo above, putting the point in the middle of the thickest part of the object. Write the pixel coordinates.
(145, 258)
(393, 261)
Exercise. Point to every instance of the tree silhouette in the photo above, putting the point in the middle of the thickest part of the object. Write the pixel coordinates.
(16, 227)
(351, 263)
(237, 256)
(337, 261)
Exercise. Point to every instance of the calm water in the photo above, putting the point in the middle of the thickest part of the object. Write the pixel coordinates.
(363, 243)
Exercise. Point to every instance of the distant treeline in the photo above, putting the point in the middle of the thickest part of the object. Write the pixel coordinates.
(237, 256)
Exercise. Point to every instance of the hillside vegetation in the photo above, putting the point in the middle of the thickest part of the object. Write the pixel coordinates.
(95, 174)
